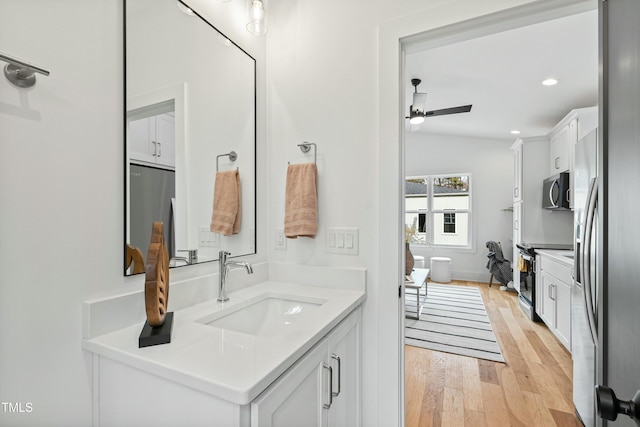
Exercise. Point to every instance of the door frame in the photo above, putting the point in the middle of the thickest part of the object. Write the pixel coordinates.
(438, 26)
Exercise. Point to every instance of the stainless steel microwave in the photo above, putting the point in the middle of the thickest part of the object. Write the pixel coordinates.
(555, 192)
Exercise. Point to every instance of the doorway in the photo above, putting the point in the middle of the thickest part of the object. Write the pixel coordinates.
(469, 30)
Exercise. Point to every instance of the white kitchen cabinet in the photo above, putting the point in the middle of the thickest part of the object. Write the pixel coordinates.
(562, 140)
(553, 291)
(321, 389)
(152, 140)
(518, 149)
(531, 222)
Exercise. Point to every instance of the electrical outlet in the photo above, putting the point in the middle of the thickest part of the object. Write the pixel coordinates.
(281, 240)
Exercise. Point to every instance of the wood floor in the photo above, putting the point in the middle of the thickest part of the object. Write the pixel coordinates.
(533, 387)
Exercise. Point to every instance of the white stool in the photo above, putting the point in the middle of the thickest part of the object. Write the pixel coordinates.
(419, 261)
(441, 269)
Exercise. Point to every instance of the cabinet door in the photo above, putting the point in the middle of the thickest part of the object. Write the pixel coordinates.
(141, 146)
(517, 173)
(344, 357)
(559, 159)
(165, 137)
(573, 140)
(517, 238)
(563, 313)
(548, 307)
(296, 399)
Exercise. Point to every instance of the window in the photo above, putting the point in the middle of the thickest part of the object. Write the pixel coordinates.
(449, 223)
(439, 206)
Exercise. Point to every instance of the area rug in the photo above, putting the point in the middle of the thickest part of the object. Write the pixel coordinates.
(453, 320)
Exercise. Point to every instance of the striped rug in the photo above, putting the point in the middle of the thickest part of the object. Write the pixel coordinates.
(454, 320)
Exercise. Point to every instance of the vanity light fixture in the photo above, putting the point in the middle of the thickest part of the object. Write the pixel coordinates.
(515, 132)
(550, 82)
(257, 25)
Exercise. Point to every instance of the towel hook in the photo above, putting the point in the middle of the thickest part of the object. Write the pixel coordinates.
(306, 146)
(232, 156)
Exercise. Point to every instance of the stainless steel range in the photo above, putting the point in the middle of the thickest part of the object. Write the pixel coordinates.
(525, 284)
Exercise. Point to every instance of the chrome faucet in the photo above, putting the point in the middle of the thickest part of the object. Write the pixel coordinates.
(224, 264)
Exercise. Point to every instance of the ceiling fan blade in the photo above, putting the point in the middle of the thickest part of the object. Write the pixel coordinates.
(452, 110)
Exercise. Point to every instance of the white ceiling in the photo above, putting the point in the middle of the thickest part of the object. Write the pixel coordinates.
(501, 75)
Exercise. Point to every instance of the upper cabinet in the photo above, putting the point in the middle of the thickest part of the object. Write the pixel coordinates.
(152, 140)
(517, 170)
(563, 139)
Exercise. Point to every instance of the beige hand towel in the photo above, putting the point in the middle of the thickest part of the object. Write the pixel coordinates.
(301, 201)
(226, 215)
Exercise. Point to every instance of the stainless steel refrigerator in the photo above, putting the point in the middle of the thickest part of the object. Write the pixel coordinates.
(150, 192)
(585, 290)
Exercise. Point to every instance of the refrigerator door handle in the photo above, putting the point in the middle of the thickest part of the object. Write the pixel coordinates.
(586, 261)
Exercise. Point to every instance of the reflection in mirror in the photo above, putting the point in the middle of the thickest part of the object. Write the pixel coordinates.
(190, 95)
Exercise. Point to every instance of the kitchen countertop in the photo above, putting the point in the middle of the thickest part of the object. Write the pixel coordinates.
(561, 256)
(230, 365)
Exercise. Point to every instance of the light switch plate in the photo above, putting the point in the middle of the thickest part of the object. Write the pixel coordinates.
(207, 239)
(341, 240)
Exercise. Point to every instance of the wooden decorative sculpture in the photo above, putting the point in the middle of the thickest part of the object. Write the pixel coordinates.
(156, 285)
(134, 255)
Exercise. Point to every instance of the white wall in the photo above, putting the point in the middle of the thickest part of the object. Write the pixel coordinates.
(490, 163)
(61, 201)
(333, 79)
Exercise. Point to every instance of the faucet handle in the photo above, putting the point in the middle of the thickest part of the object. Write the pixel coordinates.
(192, 254)
(223, 255)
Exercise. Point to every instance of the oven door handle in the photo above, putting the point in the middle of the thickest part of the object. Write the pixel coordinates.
(526, 257)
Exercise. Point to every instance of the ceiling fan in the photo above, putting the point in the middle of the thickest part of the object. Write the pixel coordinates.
(417, 111)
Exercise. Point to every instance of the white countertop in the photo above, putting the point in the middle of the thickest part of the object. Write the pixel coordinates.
(230, 365)
(563, 257)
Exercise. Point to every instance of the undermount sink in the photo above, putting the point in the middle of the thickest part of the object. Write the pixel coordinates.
(265, 317)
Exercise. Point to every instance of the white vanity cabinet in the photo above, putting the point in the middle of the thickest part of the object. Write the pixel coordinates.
(152, 140)
(553, 294)
(321, 389)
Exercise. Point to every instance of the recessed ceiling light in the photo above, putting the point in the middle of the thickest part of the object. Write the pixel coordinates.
(550, 82)
(515, 132)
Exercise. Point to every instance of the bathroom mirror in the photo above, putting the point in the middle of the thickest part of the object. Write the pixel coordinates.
(190, 101)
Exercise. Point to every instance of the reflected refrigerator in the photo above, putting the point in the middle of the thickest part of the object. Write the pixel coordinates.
(585, 290)
(150, 192)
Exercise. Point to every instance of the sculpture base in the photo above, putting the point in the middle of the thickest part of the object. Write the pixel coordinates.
(158, 335)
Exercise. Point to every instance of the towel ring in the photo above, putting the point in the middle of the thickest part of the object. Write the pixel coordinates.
(306, 146)
(232, 156)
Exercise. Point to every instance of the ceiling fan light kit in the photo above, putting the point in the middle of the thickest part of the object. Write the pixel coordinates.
(417, 110)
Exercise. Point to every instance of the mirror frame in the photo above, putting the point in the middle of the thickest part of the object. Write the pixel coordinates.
(253, 227)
